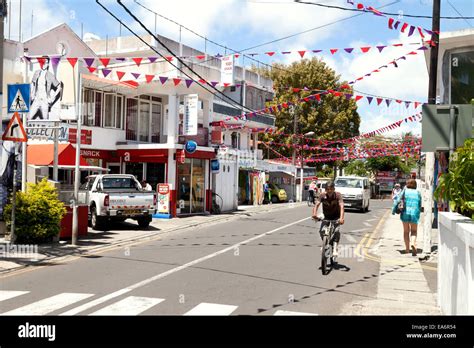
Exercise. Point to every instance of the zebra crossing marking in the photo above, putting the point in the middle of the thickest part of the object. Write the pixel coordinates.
(211, 309)
(282, 312)
(132, 305)
(7, 294)
(49, 304)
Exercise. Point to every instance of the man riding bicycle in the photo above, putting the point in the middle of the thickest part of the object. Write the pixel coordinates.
(311, 189)
(333, 209)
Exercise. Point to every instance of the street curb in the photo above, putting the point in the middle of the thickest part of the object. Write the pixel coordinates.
(150, 237)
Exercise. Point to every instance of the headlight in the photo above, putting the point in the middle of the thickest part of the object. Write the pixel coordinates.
(358, 196)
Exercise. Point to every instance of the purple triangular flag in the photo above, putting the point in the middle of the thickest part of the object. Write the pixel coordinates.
(218, 55)
(423, 48)
(136, 75)
(121, 59)
(316, 51)
(89, 61)
(214, 83)
(411, 31)
(388, 101)
(369, 99)
(106, 72)
(163, 79)
(188, 82)
(348, 50)
(348, 96)
(286, 52)
(407, 104)
(55, 61)
(428, 31)
(305, 89)
(380, 48)
(152, 59)
(279, 107)
(397, 23)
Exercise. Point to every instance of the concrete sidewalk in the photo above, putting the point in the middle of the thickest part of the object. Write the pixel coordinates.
(402, 286)
(120, 235)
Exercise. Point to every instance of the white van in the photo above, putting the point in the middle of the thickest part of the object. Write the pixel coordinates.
(355, 191)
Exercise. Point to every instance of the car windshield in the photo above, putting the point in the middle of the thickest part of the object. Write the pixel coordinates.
(119, 183)
(347, 182)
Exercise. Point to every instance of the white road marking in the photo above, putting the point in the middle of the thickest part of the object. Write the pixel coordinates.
(281, 312)
(174, 270)
(359, 230)
(211, 309)
(6, 294)
(132, 305)
(96, 302)
(350, 238)
(367, 224)
(372, 219)
(49, 304)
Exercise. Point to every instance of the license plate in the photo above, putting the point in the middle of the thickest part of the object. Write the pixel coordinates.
(131, 212)
(347, 204)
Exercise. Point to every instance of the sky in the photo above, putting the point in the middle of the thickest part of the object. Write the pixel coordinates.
(243, 24)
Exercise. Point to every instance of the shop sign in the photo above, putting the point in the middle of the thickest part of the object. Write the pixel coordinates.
(215, 166)
(86, 153)
(86, 136)
(190, 114)
(163, 192)
(227, 69)
(190, 146)
(41, 130)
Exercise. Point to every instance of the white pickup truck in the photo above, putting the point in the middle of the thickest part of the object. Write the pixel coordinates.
(118, 197)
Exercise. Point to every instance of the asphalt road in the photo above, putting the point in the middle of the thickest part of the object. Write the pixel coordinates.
(265, 264)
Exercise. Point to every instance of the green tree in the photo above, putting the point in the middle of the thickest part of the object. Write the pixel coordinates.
(457, 185)
(357, 168)
(38, 213)
(332, 118)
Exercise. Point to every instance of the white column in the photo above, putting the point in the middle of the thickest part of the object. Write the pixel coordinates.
(428, 202)
(173, 118)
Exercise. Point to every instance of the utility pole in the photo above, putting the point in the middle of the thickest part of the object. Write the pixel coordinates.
(77, 171)
(295, 127)
(430, 156)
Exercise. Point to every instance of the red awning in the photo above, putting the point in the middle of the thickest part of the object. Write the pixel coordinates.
(43, 155)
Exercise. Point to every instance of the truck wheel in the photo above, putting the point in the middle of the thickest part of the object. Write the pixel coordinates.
(144, 222)
(96, 221)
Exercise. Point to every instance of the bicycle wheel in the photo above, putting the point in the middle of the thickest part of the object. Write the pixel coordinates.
(325, 252)
(309, 201)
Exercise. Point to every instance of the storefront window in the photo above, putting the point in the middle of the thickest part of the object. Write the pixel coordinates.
(109, 110)
(198, 189)
(155, 122)
(88, 109)
(98, 108)
(118, 112)
(144, 122)
(184, 187)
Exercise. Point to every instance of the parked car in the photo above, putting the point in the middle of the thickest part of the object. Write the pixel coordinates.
(278, 194)
(117, 197)
(355, 191)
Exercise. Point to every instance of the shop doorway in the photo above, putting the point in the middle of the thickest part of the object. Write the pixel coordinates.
(155, 174)
(134, 169)
(114, 168)
(191, 186)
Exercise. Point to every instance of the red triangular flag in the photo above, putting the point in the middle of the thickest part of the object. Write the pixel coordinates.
(333, 50)
(41, 61)
(176, 81)
(379, 100)
(226, 84)
(200, 57)
(149, 78)
(137, 61)
(301, 53)
(270, 53)
(296, 90)
(105, 61)
(72, 61)
(91, 69)
(365, 49)
(358, 97)
(202, 81)
(236, 55)
(120, 74)
(405, 25)
(169, 58)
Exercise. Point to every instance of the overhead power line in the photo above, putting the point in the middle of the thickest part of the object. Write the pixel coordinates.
(227, 99)
(385, 13)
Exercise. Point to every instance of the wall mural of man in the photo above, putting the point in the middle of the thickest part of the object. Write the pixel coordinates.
(46, 90)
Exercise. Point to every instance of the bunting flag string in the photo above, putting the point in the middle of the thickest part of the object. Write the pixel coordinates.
(106, 61)
(413, 152)
(396, 24)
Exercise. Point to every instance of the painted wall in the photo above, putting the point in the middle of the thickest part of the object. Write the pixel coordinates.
(456, 264)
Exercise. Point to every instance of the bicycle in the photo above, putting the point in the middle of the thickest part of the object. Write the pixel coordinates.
(327, 258)
(217, 203)
(309, 201)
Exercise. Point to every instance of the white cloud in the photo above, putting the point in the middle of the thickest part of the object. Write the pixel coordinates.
(45, 16)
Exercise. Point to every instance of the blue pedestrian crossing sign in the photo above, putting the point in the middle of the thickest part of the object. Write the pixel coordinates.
(19, 98)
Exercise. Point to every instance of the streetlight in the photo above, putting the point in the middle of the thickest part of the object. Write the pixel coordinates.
(309, 134)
